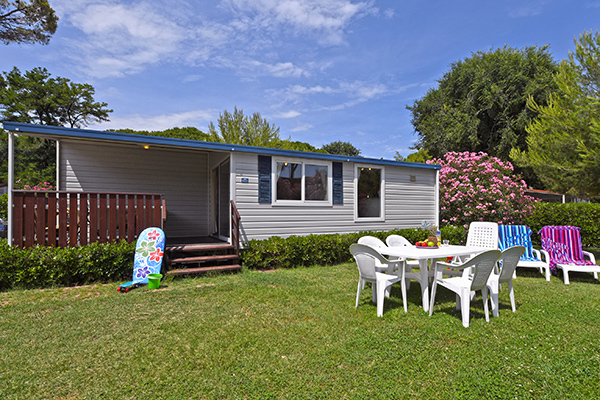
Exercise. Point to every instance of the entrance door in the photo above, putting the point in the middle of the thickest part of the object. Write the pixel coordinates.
(220, 200)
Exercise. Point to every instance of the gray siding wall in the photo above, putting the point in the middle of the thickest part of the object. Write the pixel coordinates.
(182, 176)
(408, 203)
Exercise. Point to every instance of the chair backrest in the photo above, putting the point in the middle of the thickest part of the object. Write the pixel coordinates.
(371, 241)
(397, 241)
(509, 259)
(149, 251)
(516, 235)
(366, 259)
(483, 234)
(563, 245)
(484, 264)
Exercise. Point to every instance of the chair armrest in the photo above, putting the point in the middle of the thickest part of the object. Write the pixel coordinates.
(395, 265)
(545, 256)
(444, 264)
(591, 256)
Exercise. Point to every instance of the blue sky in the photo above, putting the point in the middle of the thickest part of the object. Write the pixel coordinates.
(321, 70)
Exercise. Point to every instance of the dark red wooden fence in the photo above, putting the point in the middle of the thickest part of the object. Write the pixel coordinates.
(67, 219)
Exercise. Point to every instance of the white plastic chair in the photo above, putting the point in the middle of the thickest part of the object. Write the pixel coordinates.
(481, 234)
(376, 244)
(509, 259)
(482, 265)
(366, 258)
(399, 241)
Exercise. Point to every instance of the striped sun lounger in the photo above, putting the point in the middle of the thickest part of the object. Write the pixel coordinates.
(520, 235)
(563, 245)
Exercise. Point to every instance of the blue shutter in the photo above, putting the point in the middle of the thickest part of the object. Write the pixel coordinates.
(338, 183)
(264, 179)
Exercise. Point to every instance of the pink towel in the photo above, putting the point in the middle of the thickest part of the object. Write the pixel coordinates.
(563, 244)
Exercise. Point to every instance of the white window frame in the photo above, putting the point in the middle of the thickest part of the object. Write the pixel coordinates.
(302, 201)
(381, 217)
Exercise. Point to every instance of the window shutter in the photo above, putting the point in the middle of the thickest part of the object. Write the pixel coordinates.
(338, 183)
(264, 179)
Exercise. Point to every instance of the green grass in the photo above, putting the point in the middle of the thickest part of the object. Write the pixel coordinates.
(296, 334)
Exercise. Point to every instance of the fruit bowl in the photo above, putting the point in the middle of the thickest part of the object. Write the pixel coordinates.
(425, 245)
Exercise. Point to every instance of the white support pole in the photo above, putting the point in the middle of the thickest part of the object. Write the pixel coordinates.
(11, 185)
(57, 165)
(437, 198)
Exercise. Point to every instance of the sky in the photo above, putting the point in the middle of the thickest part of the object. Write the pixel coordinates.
(321, 70)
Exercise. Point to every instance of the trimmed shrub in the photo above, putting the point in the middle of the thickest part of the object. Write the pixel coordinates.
(40, 267)
(305, 251)
(584, 215)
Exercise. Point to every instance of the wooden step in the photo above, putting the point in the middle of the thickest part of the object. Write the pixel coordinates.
(189, 271)
(200, 259)
(198, 247)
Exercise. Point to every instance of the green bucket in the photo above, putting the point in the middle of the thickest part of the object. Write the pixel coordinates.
(154, 281)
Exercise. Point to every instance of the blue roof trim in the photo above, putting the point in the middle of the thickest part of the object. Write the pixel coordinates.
(57, 131)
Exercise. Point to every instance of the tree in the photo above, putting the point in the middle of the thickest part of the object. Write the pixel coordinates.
(22, 21)
(342, 148)
(35, 97)
(564, 139)
(478, 187)
(237, 128)
(189, 133)
(480, 105)
(420, 156)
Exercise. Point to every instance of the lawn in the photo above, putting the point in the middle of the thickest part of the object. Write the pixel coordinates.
(296, 334)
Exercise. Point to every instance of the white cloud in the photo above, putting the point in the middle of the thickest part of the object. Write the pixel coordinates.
(278, 70)
(302, 128)
(121, 39)
(389, 13)
(159, 122)
(325, 18)
(288, 114)
(530, 10)
(354, 92)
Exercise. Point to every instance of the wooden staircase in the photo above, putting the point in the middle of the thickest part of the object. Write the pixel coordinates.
(198, 258)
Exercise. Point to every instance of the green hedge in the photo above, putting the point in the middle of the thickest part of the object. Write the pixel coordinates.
(584, 215)
(302, 251)
(305, 251)
(40, 267)
(46, 266)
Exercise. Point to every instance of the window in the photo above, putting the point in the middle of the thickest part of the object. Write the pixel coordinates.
(315, 182)
(369, 192)
(289, 181)
(302, 182)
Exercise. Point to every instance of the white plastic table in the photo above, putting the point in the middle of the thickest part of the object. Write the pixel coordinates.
(424, 255)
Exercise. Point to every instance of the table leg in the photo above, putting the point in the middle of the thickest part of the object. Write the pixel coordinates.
(423, 267)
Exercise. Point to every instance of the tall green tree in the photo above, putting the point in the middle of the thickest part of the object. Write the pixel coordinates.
(237, 128)
(342, 148)
(480, 104)
(564, 139)
(421, 156)
(36, 97)
(189, 132)
(22, 21)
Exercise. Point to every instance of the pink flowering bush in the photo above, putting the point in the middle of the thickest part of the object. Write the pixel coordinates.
(43, 186)
(477, 187)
